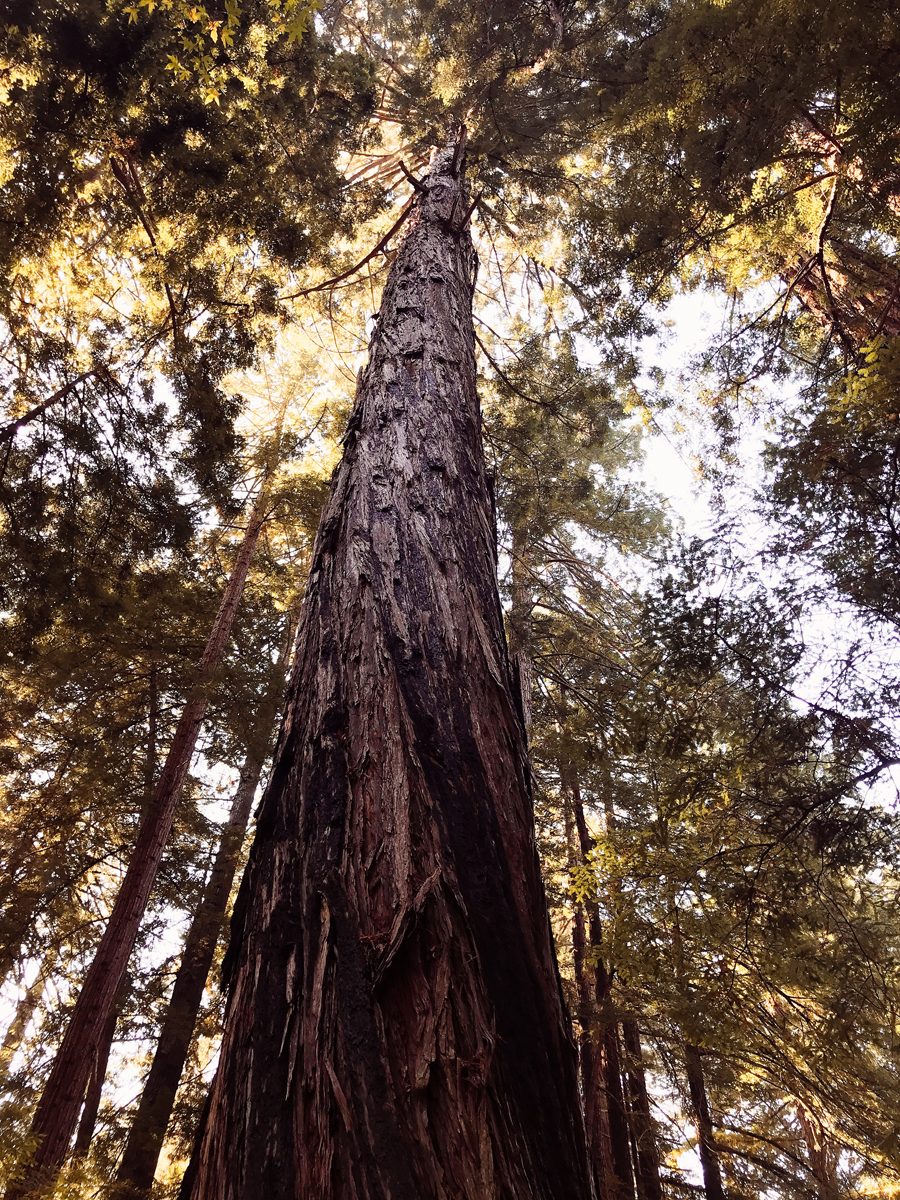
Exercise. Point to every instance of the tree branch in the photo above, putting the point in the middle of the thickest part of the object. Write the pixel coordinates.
(8, 432)
(320, 287)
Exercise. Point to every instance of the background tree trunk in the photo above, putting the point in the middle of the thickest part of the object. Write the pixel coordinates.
(94, 1094)
(709, 1156)
(605, 1110)
(396, 1025)
(593, 1090)
(862, 296)
(148, 1131)
(59, 1105)
(646, 1151)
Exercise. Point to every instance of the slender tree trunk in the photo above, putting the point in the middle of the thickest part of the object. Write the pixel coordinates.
(92, 1099)
(395, 1025)
(148, 1131)
(25, 1010)
(593, 1089)
(709, 1156)
(519, 616)
(9, 431)
(646, 1153)
(605, 1110)
(611, 1067)
(57, 1111)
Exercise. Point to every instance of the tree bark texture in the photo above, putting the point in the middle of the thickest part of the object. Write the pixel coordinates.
(852, 291)
(709, 1155)
(395, 1027)
(148, 1130)
(57, 1111)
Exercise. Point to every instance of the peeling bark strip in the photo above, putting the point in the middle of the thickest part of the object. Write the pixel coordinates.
(396, 1029)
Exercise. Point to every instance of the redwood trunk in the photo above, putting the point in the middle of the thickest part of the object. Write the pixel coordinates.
(148, 1130)
(611, 1066)
(57, 1111)
(88, 1121)
(605, 1110)
(709, 1157)
(862, 298)
(643, 1133)
(396, 1028)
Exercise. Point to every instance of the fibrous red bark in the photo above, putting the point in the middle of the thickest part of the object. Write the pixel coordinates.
(395, 1026)
(91, 1110)
(862, 296)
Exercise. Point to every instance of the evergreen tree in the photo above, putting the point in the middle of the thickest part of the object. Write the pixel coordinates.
(364, 854)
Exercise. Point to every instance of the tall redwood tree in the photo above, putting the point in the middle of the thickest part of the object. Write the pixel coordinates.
(395, 1025)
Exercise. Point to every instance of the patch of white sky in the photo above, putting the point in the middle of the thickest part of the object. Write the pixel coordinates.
(675, 445)
(670, 460)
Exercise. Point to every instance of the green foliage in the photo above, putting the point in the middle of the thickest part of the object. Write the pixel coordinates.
(835, 485)
(744, 877)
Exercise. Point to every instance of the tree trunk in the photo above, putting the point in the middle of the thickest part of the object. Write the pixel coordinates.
(646, 1153)
(519, 616)
(59, 1105)
(98, 1074)
(148, 1131)
(860, 299)
(593, 1090)
(709, 1157)
(605, 1111)
(395, 1025)
(25, 1010)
